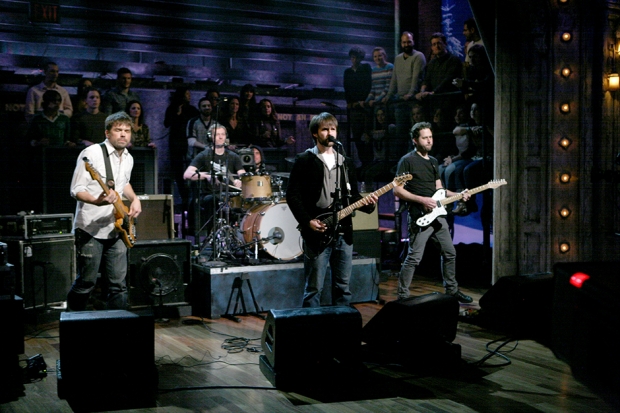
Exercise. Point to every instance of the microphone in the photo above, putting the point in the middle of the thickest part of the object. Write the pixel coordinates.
(330, 138)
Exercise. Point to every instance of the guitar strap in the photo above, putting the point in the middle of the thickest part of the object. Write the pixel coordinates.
(109, 176)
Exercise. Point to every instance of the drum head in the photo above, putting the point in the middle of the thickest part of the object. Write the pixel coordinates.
(276, 227)
(256, 187)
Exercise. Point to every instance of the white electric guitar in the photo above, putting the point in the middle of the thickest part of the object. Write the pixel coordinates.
(442, 201)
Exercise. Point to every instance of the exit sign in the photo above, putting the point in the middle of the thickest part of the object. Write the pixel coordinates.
(44, 12)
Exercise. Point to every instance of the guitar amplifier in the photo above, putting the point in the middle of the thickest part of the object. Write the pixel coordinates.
(16, 227)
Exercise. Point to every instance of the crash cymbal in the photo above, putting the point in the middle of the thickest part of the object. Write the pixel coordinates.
(282, 174)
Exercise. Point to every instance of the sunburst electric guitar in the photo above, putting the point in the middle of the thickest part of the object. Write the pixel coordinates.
(442, 201)
(124, 223)
(328, 217)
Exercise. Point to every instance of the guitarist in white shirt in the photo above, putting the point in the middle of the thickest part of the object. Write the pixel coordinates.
(96, 236)
(418, 193)
(309, 194)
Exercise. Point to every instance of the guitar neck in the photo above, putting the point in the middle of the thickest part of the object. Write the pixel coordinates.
(118, 205)
(458, 197)
(349, 210)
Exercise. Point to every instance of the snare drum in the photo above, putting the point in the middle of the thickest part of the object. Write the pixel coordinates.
(276, 226)
(256, 188)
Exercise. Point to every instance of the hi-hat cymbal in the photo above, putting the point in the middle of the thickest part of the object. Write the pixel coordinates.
(282, 174)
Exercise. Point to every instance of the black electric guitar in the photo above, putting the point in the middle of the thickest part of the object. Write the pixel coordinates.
(442, 201)
(124, 223)
(327, 218)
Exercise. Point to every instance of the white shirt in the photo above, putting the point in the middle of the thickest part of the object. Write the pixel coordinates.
(34, 98)
(99, 221)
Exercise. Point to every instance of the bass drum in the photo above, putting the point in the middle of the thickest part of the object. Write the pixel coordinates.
(277, 227)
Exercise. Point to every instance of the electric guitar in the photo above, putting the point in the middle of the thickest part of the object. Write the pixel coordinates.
(327, 218)
(442, 201)
(124, 223)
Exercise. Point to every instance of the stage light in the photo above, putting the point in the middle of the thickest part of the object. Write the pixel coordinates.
(565, 108)
(562, 1)
(613, 82)
(566, 36)
(578, 278)
(564, 247)
(564, 212)
(565, 177)
(566, 72)
(565, 142)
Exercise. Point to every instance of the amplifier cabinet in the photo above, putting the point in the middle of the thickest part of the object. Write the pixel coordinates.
(36, 226)
(159, 268)
(44, 268)
(157, 218)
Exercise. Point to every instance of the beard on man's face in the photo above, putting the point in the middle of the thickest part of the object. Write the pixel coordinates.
(408, 49)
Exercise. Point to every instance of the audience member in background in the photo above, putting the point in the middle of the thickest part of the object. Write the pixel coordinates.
(140, 134)
(408, 70)
(267, 132)
(248, 108)
(88, 126)
(472, 37)
(238, 133)
(478, 86)
(79, 101)
(443, 138)
(214, 97)
(115, 100)
(34, 97)
(381, 76)
(440, 72)
(198, 135)
(451, 171)
(384, 157)
(50, 127)
(357, 86)
(178, 113)
(260, 162)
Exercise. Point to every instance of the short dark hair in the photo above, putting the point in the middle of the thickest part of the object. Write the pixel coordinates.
(316, 121)
(415, 129)
(89, 89)
(408, 34)
(471, 24)
(213, 91)
(122, 71)
(439, 35)
(202, 99)
(380, 49)
(357, 52)
(50, 96)
(118, 117)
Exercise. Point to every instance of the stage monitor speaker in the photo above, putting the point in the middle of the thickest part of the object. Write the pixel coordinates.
(413, 322)
(520, 306)
(302, 343)
(585, 317)
(367, 243)
(159, 268)
(107, 359)
(44, 268)
(157, 218)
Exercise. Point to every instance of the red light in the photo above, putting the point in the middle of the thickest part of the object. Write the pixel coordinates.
(578, 279)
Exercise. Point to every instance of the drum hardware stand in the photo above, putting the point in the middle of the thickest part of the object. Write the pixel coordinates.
(160, 308)
(277, 235)
(238, 285)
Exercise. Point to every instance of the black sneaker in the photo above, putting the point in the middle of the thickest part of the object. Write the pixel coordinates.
(465, 299)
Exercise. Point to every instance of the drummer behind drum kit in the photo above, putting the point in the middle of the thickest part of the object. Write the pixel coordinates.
(257, 220)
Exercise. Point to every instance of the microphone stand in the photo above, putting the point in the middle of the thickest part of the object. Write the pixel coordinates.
(336, 195)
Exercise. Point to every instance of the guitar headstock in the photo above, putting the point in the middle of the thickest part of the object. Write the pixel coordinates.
(91, 169)
(496, 183)
(400, 180)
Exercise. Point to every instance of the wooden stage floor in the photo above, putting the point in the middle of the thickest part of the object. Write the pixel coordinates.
(198, 374)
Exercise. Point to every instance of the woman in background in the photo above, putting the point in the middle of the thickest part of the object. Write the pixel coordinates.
(267, 132)
(140, 135)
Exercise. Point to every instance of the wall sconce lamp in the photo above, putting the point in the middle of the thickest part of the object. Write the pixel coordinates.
(566, 36)
(564, 212)
(565, 142)
(565, 72)
(565, 108)
(562, 1)
(613, 82)
(564, 177)
(564, 247)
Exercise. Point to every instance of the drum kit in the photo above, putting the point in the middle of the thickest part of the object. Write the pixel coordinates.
(256, 221)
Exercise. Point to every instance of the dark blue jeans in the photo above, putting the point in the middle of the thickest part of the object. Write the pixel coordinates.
(90, 254)
(339, 256)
